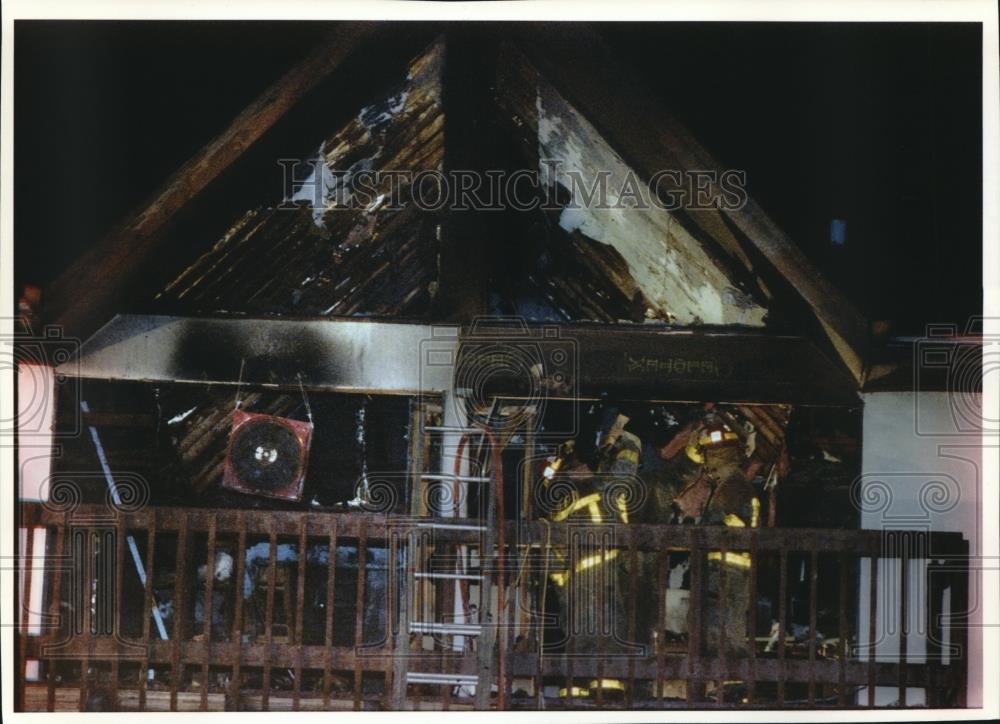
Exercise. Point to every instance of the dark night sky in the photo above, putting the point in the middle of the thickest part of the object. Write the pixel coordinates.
(877, 124)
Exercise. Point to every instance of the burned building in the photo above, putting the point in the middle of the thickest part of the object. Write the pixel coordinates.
(360, 445)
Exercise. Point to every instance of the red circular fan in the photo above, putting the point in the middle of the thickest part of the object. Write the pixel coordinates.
(267, 455)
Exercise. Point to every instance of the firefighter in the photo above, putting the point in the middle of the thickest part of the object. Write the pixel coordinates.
(588, 575)
(731, 502)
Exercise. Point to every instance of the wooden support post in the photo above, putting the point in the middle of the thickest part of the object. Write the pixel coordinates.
(464, 263)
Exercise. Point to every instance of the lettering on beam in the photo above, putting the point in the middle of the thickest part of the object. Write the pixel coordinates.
(678, 366)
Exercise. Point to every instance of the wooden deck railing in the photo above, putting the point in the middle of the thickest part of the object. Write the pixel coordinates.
(308, 615)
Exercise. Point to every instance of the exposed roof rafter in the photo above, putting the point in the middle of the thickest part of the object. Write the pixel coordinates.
(86, 294)
(583, 69)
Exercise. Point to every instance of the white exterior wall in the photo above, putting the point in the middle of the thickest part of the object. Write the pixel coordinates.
(36, 408)
(36, 411)
(921, 469)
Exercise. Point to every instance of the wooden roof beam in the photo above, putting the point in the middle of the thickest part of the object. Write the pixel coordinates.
(90, 291)
(467, 236)
(580, 65)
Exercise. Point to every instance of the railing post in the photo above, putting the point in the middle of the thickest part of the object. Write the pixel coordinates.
(400, 592)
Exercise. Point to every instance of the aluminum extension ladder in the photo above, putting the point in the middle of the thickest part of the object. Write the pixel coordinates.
(483, 681)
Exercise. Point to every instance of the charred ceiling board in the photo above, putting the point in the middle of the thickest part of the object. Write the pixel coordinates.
(399, 358)
(338, 245)
(681, 278)
(591, 279)
(93, 287)
(402, 131)
(343, 355)
(277, 261)
(585, 73)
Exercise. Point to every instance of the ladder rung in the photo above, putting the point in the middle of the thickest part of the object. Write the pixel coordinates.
(459, 629)
(452, 576)
(415, 677)
(459, 478)
(450, 526)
